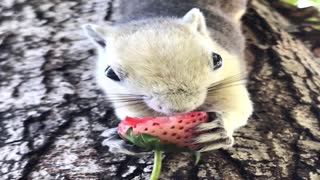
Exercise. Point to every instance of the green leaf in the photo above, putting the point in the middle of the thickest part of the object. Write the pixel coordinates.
(313, 19)
(198, 157)
(292, 2)
(295, 2)
(317, 27)
(316, 1)
(150, 142)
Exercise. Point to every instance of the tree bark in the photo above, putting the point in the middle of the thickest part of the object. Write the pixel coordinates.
(52, 113)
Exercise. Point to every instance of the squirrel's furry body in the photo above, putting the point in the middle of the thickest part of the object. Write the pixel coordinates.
(162, 55)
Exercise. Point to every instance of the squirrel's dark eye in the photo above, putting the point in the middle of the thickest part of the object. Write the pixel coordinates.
(217, 61)
(111, 74)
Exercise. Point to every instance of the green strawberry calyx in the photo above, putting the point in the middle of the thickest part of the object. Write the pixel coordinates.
(149, 142)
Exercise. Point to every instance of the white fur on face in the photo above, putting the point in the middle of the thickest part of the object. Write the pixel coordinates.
(168, 61)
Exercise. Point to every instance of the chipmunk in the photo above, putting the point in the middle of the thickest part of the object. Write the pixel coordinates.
(158, 62)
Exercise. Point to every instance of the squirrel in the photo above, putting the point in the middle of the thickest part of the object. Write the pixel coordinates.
(164, 57)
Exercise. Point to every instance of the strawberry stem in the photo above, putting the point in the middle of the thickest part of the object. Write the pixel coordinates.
(156, 165)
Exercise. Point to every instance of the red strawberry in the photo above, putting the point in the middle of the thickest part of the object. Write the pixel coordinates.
(159, 132)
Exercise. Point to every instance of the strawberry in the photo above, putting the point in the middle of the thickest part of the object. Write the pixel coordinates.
(173, 133)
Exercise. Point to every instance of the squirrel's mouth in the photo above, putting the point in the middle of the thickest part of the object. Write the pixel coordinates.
(211, 115)
(169, 110)
(154, 113)
(158, 112)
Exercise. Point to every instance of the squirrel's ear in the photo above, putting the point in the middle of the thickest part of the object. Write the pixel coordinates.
(97, 34)
(196, 20)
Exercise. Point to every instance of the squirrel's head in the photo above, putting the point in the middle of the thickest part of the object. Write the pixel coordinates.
(158, 65)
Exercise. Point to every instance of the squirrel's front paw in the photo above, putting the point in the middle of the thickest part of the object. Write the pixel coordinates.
(117, 145)
(212, 135)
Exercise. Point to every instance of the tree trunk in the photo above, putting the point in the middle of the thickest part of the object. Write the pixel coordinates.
(52, 112)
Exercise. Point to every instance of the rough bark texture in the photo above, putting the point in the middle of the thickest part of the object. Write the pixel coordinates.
(52, 113)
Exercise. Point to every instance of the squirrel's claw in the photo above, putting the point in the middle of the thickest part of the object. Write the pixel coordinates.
(221, 143)
(212, 135)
